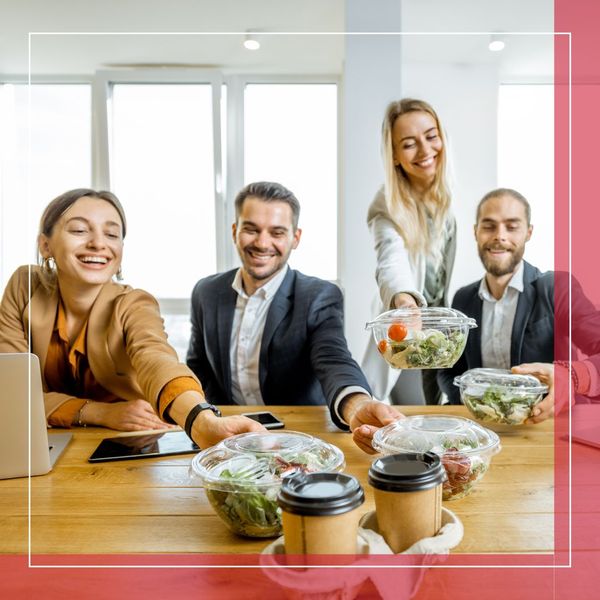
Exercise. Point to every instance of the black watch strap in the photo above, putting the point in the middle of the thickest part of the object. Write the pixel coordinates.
(189, 421)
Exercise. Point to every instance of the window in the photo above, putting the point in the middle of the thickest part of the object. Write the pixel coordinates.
(290, 136)
(162, 167)
(44, 144)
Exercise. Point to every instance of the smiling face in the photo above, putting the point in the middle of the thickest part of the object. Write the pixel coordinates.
(417, 146)
(86, 243)
(264, 237)
(501, 233)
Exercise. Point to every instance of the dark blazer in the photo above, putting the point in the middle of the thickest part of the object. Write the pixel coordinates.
(540, 333)
(304, 358)
(532, 336)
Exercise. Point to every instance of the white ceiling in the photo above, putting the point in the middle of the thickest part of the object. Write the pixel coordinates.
(525, 55)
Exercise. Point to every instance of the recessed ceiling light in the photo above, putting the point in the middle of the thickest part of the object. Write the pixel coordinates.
(496, 44)
(251, 43)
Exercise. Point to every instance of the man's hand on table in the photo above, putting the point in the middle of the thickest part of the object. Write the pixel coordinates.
(365, 416)
(208, 429)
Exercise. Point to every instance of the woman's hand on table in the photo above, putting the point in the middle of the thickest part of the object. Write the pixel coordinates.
(365, 416)
(545, 373)
(130, 415)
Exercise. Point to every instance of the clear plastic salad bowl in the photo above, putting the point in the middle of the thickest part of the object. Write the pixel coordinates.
(465, 448)
(421, 338)
(499, 396)
(242, 475)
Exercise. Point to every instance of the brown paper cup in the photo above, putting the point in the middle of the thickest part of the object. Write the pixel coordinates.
(334, 534)
(407, 517)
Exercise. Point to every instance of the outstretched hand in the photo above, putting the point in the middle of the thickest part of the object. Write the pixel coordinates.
(365, 416)
(208, 429)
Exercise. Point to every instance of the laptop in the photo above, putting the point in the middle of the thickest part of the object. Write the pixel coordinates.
(20, 375)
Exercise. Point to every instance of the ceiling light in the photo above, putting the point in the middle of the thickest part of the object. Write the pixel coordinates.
(251, 43)
(496, 43)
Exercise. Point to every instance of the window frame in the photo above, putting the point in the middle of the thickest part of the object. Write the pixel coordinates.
(225, 190)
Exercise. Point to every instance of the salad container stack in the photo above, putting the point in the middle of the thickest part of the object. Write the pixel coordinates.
(499, 396)
(465, 448)
(242, 475)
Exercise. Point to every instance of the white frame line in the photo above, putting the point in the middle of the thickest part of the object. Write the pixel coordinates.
(569, 565)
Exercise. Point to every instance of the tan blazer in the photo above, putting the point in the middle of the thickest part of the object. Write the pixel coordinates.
(127, 346)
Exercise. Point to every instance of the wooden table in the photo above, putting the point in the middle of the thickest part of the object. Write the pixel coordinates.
(153, 506)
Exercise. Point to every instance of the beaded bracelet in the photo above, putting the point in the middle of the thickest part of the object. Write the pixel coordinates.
(79, 421)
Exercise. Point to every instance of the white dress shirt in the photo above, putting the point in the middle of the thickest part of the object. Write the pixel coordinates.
(497, 318)
(249, 319)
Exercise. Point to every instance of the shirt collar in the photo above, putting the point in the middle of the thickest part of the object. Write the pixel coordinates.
(60, 327)
(516, 282)
(266, 291)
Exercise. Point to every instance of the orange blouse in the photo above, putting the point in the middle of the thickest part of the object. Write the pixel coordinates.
(67, 371)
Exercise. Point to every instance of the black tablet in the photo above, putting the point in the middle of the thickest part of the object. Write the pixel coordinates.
(166, 443)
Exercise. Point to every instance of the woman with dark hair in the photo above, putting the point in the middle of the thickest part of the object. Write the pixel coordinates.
(102, 347)
(411, 223)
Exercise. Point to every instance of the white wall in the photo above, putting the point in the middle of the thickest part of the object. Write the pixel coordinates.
(371, 80)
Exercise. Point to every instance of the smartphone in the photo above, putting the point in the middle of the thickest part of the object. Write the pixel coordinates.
(269, 420)
(167, 443)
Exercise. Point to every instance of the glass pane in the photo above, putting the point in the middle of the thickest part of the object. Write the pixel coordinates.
(59, 159)
(526, 160)
(290, 136)
(162, 169)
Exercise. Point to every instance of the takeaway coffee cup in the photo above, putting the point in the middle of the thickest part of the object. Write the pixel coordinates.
(319, 513)
(408, 497)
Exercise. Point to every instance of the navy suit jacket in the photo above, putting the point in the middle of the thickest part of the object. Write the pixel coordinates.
(304, 358)
(534, 337)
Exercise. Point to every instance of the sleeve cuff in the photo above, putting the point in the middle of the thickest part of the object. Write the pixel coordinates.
(174, 388)
(352, 389)
(65, 414)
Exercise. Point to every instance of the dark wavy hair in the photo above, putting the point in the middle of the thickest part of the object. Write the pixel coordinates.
(268, 191)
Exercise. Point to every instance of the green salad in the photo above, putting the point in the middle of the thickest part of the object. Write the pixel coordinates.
(249, 510)
(246, 498)
(497, 405)
(426, 349)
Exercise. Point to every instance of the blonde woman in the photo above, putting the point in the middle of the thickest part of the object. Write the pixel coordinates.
(412, 226)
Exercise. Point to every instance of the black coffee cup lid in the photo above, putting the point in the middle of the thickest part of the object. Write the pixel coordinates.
(320, 494)
(407, 472)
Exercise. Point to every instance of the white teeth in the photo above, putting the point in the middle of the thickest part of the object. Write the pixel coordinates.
(94, 259)
(426, 163)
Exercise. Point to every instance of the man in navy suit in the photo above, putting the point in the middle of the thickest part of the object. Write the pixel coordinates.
(266, 334)
(514, 303)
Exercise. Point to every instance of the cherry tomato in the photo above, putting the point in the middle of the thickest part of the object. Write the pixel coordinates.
(382, 346)
(397, 332)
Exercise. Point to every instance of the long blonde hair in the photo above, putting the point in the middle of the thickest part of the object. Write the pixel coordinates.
(409, 212)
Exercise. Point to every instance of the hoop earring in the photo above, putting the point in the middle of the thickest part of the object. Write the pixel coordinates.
(49, 265)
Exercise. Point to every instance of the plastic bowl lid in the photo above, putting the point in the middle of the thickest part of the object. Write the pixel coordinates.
(477, 381)
(261, 458)
(435, 433)
(426, 317)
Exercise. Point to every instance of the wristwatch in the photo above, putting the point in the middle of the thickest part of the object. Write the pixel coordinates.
(189, 421)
